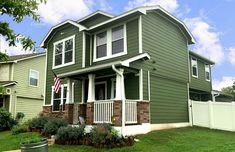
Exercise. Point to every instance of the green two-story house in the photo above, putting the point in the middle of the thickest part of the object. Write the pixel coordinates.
(131, 70)
(22, 77)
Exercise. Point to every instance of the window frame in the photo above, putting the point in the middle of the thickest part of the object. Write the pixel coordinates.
(192, 58)
(109, 43)
(31, 70)
(208, 72)
(63, 52)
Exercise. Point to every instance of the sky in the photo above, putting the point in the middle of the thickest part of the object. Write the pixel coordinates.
(211, 22)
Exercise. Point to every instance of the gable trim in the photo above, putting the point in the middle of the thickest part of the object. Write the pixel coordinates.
(81, 28)
(95, 13)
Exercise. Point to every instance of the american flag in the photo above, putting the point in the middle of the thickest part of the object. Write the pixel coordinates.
(57, 83)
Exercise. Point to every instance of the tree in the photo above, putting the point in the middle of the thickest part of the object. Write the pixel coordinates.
(233, 93)
(227, 90)
(18, 10)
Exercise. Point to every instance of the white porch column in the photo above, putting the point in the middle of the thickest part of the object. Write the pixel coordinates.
(120, 87)
(69, 91)
(91, 88)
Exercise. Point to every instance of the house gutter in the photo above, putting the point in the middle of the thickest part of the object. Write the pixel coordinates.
(122, 97)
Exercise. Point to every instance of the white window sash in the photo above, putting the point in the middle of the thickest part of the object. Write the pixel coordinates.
(37, 77)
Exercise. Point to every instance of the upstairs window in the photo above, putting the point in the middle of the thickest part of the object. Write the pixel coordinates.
(207, 72)
(117, 40)
(110, 43)
(33, 78)
(64, 52)
(194, 67)
(101, 44)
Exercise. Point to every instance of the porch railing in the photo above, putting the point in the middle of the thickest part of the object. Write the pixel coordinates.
(131, 111)
(103, 111)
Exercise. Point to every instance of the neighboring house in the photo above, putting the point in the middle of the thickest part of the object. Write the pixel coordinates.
(131, 70)
(22, 77)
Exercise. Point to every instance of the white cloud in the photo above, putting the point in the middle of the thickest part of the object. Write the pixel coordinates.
(208, 40)
(231, 55)
(17, 50)
(55, 11)
(225, 82)
(169, 5)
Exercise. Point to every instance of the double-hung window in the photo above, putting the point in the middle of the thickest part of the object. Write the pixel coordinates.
(59, 98)
(207, 72)
(64, 52)
(110, 43)
(33, 78)
(194, 67)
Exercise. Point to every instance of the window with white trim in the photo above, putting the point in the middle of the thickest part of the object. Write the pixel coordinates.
(194, 67)
(110, 43)
(207, 72)
(59, 98)
(64, 52)
(33, 78)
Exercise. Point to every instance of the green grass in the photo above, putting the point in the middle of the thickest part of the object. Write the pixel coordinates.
(175, 140)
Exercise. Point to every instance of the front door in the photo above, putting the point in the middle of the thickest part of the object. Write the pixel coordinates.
(100, 91)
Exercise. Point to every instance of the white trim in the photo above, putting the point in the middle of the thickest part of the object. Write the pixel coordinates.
(81, 28)
(93, 14)
(131, 130)
(208, 72)
(83, 49)
(169, 126)
(141, 84)
(11, 83)
(63, 53)
(45, 78)
(31, 70)
(83, 90)
(149, 85)
(135, 58)
(140, 35)
(26, 58)
(61, 96)
(105, 83)
(72, 92)
(90, 49)
(113, 80)
(109, 43)
(12, 71)
(144, 10)
(195, 76)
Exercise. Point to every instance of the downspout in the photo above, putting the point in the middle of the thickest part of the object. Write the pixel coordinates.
(122, 97)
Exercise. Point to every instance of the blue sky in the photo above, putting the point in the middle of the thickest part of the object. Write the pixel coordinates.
(211, 23)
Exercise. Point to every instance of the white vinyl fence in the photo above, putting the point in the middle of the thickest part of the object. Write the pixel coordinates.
(103, 111)
(214, 115)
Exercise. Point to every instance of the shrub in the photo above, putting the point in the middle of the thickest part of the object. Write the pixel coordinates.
(6, 120)
(38, 123)
(19, 116)
(70, 133)
(20, 128)
(53, 125)
(104, 134)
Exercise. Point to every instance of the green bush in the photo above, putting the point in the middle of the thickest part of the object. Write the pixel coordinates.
(20, 128)
(19, 116)
(70, 133)
(52, 126)
(6, 120)
(38, 123)
(104, 134)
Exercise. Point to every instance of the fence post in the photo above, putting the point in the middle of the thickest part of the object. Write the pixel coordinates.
(233, 114)
(190, 112)
(211, 118)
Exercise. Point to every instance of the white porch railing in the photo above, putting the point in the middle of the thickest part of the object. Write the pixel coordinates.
(131, 111)
(103, 111)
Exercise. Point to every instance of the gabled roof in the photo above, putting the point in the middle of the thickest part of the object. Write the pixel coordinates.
(16, 58)
(201, 57)
(94, 14)
(81, 27)
(7, 83)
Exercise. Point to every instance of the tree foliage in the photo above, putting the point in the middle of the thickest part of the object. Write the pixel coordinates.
(18, 10)
(230, 90)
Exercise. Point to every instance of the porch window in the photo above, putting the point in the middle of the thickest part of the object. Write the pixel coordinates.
(194, 67)
(101, 91)
(101, 44)
(64, 52)
(33, 78)
(207, 72)
(59, 98)
(117, 40)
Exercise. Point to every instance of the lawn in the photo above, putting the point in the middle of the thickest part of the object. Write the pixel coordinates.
(175, 140)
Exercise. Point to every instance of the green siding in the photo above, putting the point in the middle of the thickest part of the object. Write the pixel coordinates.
(200, 83)
(168, 101)
(67, 31)
(21, 76)
(87, 53)
(131, 86)
(99, 18)
(132, 42)
(167, 47)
